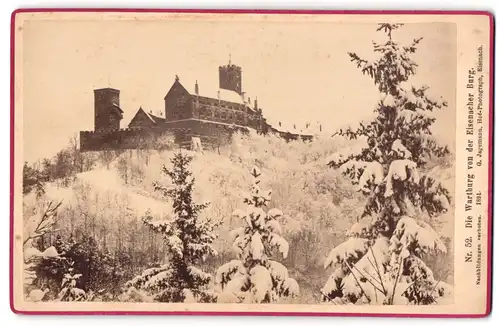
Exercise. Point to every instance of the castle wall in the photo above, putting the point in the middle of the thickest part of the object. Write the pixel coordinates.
(182, 131)
(125, 138)
(211, 134)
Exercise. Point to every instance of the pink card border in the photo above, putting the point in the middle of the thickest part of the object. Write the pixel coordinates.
(258, 11)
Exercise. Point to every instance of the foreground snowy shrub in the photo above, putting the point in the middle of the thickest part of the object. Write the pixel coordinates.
(254, 277)
(70, 291)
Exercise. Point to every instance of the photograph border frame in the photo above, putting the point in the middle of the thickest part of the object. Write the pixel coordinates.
(489, 235)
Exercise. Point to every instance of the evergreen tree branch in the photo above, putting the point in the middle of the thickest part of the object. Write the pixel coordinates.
(357, 281)
(396, 281)
(377, 270)
(42, 228)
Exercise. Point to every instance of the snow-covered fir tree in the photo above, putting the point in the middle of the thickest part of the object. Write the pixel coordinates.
(188, 239)
(381, 263)
(254, 277)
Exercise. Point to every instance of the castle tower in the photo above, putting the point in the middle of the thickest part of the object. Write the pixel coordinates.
(107, 111)
(230, 77)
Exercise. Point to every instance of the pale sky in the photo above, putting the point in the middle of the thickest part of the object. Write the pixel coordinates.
(300, 72)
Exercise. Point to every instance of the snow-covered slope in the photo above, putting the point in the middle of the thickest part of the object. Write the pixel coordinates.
(103, 180)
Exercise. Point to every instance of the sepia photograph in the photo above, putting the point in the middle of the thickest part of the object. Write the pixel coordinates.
(247, 161)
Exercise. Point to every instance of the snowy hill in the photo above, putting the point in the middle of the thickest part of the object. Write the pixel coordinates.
(107, 181)
(319, 205)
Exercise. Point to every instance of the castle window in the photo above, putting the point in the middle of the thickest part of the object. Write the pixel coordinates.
(239, 117)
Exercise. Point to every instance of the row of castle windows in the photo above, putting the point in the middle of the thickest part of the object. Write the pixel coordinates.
(222, 104)
(209, 113)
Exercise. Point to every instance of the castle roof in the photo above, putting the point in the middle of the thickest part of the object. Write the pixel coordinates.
(117, 107)
(209, 91)
(155, 119)
(310, 128)
(152, 117)
(107, 89)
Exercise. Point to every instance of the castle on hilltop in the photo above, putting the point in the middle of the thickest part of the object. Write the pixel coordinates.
(188, 113)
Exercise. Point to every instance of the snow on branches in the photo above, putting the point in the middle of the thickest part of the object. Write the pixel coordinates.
(35, 227)
(40, 223)
(380, 263)
(400, 170)
(188, 239)
(69, 291)
(350, 251)
(417, 237)
(386, 272)
(254, 277)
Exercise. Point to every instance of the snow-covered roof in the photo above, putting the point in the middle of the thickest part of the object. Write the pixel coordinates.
(148, 115)
(153, 118)
(309, 128)
(115, 106)
(213, 91)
